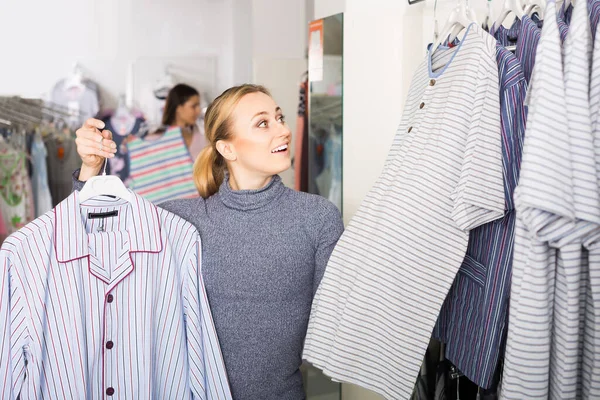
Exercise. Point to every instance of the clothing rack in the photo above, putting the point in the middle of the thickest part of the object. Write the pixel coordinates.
(17, 112)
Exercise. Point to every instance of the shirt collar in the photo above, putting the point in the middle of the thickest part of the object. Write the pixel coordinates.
(71, 238)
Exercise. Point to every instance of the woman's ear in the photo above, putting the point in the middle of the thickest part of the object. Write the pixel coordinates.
(227, 150)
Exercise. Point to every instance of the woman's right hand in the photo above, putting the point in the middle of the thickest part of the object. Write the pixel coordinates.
(93, 146)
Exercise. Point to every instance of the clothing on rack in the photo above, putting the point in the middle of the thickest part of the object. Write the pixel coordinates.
(15, 192)
(118, 311)
(81, 101)
(198, 142)
(389, 274)
(161, 169)
(119, 165)
(473, 319)
(553, 337)
(525, 34)
(41, 188)
(62, 160)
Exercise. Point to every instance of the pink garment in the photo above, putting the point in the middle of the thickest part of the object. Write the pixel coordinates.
(198, 143)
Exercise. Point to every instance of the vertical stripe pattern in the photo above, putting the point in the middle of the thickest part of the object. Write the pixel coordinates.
(161, 170)
(527, 35)
(389, 274)
(473, 319)
(107, 308)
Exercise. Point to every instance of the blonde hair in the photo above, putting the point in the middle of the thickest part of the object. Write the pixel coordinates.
(210, 166)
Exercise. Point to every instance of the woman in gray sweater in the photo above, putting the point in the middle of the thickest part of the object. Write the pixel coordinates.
(264, 246)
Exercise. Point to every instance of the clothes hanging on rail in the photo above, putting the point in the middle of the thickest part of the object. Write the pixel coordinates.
(473, 319)
(525, 34)
(390, 272)
(62, 160)
(41, 188)
(119, 165)
(15, 192)
(162, 169)
(553, 337)
(118, 311)
(81, 101)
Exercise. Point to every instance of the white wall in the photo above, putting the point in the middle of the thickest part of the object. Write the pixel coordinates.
(279, 31)
(41, 39)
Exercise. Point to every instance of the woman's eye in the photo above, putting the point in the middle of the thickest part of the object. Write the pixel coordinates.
(282, 119)
(262, 124)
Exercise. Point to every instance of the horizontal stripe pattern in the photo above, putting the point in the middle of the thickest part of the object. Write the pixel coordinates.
(553, 339)
(162, 170)
(85, 311)
(389, 274)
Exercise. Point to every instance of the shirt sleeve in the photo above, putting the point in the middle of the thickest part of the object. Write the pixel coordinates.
(513, 116)
(77, 184)
(331, 230)
(479, 196)
(208, 377)
(13, 331)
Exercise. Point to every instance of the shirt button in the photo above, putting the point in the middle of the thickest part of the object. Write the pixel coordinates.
(409, 129)
(110, 345)
(422, 105)
(110, 391)
(109, 298)
(432, 82)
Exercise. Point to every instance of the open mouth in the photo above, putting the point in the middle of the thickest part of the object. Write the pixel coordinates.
(280, 149)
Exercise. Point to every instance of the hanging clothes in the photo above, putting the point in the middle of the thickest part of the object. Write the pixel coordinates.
(563, 20)
(594, 10)
(526, 34)
(15, 193)
(198, 142)
(551, 350)
(473, 319)
(161, 170)
(120, 311)
(41, 189)
(81, 101)
(62, 160)
(389, 274)
(119, 165)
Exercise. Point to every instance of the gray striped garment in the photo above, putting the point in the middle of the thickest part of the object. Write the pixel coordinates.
(552, 343)
(389, 274)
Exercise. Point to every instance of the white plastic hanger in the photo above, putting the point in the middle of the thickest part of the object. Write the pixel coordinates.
(76, 79)
(164, 84)
(460, 18)
(122, 120)
(457, 29)
(104, 185)
(535, 6)
(509, 6)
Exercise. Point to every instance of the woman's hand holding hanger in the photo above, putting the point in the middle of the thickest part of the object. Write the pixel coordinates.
(94, 145)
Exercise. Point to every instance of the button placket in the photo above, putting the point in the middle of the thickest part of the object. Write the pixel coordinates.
(109, 355)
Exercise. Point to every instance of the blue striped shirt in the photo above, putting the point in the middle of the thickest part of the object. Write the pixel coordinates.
(112, 307)
(473, 318)
(526, 33)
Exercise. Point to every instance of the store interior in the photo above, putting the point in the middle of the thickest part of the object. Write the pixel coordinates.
(340, 70)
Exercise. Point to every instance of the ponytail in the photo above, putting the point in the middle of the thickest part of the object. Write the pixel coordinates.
(209, 168)
(209, 171)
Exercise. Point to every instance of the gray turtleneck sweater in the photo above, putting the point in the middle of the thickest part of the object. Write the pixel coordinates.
(264, 253)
